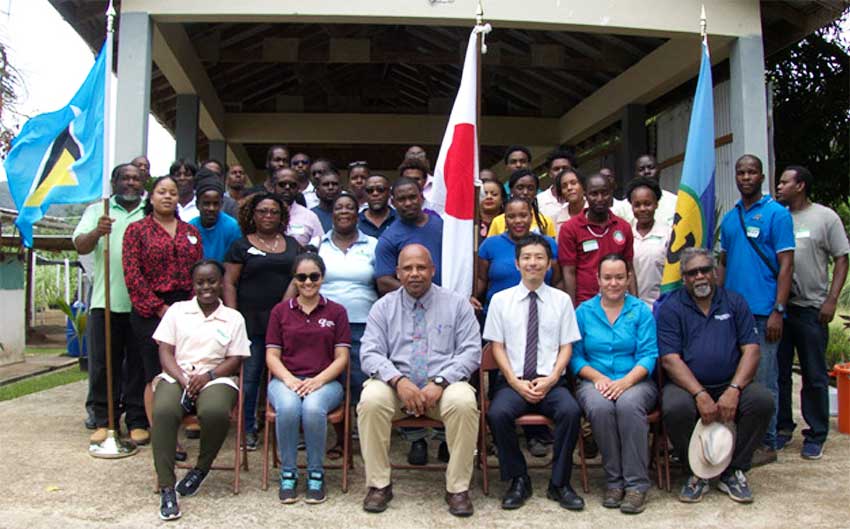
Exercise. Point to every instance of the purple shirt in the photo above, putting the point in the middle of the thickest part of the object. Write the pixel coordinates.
(304, 226)
(307, 341)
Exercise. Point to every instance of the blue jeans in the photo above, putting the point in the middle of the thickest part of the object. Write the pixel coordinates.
(768, 375)
(254, 367)
(309, 413)
(357, 376)
(804, 332)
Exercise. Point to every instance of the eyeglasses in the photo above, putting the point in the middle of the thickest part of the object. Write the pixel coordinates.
(314, 277)
(300, 162)
(267, 212)
(287, 185)
(704, 270)
(375, 189)
(361, 163)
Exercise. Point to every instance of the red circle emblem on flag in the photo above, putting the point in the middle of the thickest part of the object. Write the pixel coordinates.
(459, 173)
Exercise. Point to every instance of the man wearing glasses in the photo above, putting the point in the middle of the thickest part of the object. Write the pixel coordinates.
(304, 225)
(378, 215)
(300, 163)
(709, 347)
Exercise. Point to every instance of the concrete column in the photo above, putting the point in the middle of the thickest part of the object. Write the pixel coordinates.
(218, 150)
(186, 129)
(134, 85)
(633, 124)
(748, 101)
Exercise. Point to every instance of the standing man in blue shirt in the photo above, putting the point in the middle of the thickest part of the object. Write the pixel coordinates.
(413, 226)
(218, 229)
(757, 261)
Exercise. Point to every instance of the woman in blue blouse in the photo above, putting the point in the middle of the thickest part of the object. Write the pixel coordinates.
(613, 363)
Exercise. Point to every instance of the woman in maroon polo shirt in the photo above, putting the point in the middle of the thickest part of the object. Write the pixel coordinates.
(158, 253)
(307, 346)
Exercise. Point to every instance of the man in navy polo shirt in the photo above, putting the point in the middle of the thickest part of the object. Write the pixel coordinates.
(709, 347)
(757, 256)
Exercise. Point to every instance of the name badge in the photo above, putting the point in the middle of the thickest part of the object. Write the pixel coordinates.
(590, 245)
(297, 229)
(722, 317)
(256, 251)
(803, 234)
(753, 232)
(192, 239)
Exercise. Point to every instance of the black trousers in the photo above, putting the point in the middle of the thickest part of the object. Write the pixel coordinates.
(131, 385)
(755, 409)
(559, 405)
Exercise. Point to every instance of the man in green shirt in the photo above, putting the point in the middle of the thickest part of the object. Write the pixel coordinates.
(125, 206)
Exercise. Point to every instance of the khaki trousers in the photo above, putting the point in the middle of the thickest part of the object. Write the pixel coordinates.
(457, 409)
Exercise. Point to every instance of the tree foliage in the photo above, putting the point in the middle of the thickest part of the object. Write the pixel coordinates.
(9, 85)
(811, 90)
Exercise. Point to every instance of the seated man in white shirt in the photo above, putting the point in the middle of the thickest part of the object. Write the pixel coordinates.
(532, 327)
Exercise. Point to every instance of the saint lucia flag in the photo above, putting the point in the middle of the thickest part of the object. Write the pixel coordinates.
(693, 223)
(57, 158)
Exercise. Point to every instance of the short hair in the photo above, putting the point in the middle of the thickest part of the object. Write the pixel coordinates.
(184, 163)
(641, 181)
(691, 252)
(802, 174)
(118, 171)
(530, 240)
(331, 167)
(584, 179)
(752, 157)
(309, 256)
(404, 181)
(205, 262)
(515, 148)
(274, 148)
(413, 163)
(223, 166)
(561, 154)
(347, 195)
(611, 258)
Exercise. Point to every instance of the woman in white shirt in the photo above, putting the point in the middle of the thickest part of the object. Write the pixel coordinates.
(651, 237)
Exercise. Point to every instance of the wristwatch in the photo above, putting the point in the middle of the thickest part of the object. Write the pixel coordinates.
(440, 381)
(780, 308)
(211, 374)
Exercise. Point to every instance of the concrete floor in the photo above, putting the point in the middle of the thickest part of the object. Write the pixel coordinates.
(49, 480)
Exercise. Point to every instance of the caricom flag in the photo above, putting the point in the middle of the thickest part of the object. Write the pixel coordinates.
(693, 224)
(57, 158)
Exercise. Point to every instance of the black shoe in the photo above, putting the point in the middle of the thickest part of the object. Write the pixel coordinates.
(193, 433)
(316, 492)
(191, 482)
(251, 441)
(566, 497)
(443, 452)
(518, 491)
(169, 509)
(418, 454)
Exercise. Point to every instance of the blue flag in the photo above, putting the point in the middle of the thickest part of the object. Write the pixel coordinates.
(57, 158)
(693, 224)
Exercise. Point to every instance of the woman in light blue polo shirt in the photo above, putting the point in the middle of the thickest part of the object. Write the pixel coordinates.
(613, 363)
(349, 255)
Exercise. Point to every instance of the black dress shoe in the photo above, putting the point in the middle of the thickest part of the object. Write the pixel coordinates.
(418, 454)
(566, 497)
(90, 423)
(443, 452)
(518, 491)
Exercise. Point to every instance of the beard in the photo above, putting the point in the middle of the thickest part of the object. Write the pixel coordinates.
(702, 291)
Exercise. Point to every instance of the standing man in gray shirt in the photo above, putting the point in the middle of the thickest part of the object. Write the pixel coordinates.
(422, 343)
(819, 235)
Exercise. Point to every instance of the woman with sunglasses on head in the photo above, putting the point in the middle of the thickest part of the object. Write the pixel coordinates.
(525, 184)
(201, 345)
(258, 269)
(156, 254)
(307, 349)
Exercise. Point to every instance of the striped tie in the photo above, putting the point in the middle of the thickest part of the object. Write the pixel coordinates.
(529, 371)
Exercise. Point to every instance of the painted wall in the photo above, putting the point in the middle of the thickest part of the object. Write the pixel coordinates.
(12, 300)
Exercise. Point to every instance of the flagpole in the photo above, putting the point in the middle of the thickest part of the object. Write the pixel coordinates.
(112, 447)
(476, 222)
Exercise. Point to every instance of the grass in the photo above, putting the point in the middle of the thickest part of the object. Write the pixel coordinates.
(838, 349)
(41, 383)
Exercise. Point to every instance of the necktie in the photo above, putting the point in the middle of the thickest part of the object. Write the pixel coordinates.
(529, 371)
(419, 362)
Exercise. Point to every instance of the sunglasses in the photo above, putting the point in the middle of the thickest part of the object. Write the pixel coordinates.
(267, 212)
(375, 189)
(287, 185)
(314, 277)
(704, 270)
